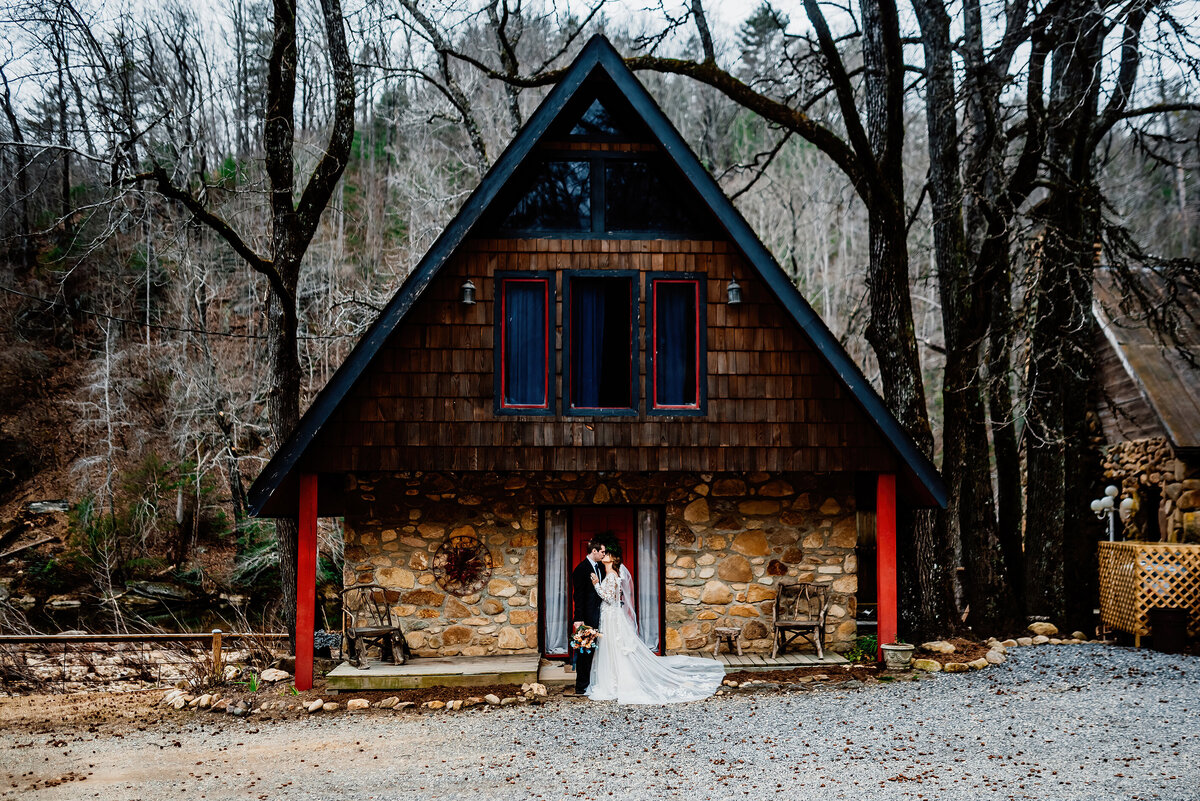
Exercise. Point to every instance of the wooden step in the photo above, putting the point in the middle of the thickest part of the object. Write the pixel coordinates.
(435, 672)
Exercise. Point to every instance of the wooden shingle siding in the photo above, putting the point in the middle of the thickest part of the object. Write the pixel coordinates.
(426, 402)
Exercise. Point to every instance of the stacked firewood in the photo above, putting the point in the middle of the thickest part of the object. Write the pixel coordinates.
(1140, 464)
(1144, 462)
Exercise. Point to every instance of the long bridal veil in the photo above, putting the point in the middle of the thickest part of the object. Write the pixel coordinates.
(627, 597)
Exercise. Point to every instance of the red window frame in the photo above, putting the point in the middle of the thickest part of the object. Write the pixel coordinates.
(633, 289)
(545, 282)
(699, 350)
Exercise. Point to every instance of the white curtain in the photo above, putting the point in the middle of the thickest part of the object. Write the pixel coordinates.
(555, 575)
(649, 573)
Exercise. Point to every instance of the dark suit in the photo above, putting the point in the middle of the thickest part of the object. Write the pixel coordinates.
(586, 603)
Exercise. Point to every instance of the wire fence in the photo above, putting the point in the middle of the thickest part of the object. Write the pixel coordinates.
(123, 662)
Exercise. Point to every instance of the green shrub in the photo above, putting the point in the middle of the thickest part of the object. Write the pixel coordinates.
(866, 649)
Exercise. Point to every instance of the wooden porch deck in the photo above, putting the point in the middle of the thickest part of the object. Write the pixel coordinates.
(436, 672)
(734, 663)
(459, 671)
(555, 671)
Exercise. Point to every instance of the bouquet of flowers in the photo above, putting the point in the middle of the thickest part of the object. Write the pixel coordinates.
(585, 638)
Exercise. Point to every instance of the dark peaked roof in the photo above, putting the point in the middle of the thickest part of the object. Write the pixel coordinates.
(924, 482)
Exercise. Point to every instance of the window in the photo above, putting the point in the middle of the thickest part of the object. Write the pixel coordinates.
(523, 355)
(641, 195)
(597, 122)
(597, 194)
(600, 356)
(676, 345)
(557, 197)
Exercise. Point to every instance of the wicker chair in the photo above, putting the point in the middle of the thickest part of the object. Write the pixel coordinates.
(800, 610)
(368, 603)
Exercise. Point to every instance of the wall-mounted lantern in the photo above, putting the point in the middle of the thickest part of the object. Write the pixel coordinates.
(733, 292)
(468, 293)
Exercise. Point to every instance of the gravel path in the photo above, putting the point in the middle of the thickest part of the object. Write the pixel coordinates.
(1054, 722)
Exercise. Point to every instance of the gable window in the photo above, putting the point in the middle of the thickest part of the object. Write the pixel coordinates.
(523, 355)
(597, 122)
(558, 197)
(642, 195)
(600, 356)
(676, 345)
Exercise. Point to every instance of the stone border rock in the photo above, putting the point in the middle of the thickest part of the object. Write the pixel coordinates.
(180, 699)
(1043, 634)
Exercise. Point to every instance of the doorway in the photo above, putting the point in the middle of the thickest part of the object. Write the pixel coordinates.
(565, 534)
(617, 522)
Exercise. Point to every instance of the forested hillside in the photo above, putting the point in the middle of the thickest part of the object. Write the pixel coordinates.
(939, 188)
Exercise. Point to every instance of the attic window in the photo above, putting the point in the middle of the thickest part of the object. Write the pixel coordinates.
(523, 333)
(558, 198)
(600, 344)
(639, 195)
(597, 122)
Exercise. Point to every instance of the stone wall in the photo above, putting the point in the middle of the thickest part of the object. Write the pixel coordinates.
(737, 537)
(729, 540)
(1161, 485)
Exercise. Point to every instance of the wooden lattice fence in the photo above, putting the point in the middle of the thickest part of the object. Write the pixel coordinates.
(1136, 577)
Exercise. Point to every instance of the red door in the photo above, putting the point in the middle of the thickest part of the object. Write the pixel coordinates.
(588, 521)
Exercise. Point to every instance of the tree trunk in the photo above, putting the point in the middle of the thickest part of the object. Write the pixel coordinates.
(970, 514)
(1060, 342)
(1002, 419)
(929, 603)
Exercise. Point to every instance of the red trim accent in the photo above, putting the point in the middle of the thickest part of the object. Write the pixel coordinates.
(545, 404)
(654, 341)
(885, 555)
(570, 345)
(306, 581)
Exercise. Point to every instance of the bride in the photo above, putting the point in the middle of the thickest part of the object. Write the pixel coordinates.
(624, 669)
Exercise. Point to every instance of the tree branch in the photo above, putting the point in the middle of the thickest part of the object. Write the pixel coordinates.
(165, 187)
(706, 42)
(1127, 72)
(867, 164)
(328, 171)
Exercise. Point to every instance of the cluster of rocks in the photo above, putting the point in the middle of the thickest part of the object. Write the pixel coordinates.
(1042, 634)
(764, 684)
(181, 699)
(108, 667)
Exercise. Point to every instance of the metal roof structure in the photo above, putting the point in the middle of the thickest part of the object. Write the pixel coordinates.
(1164, 367)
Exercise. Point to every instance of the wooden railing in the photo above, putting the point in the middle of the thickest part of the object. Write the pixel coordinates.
(28, 660)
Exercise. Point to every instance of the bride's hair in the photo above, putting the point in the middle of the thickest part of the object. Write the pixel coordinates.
(615, 553)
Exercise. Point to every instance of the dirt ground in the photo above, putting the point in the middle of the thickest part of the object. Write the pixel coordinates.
(1055, 723)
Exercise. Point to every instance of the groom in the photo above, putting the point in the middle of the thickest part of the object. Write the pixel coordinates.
(586, 607)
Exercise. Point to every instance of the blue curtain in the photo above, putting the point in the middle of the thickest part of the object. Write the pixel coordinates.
(588, 300)
(525, 343)
(675, 343)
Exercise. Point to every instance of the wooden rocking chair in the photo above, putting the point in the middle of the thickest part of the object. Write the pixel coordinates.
(800, 610)
(369, 603)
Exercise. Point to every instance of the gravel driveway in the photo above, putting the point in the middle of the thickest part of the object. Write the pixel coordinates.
(1054, 722)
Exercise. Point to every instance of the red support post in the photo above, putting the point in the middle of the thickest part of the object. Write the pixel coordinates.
(885, 556)
(306, 581)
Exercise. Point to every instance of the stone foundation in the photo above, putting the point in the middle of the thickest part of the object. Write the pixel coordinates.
(730, 538)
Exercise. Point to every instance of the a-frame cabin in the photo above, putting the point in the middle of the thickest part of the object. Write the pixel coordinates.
(598, 342)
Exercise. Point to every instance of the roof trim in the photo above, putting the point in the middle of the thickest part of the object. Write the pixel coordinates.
(598, 53)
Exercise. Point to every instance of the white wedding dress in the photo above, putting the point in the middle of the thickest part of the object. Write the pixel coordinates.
(626, 671)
